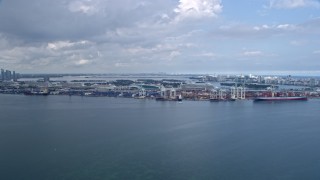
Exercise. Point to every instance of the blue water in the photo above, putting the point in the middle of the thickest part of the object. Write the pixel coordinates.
(62, 137)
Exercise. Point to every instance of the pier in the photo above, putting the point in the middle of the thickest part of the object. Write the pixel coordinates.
(200, 89)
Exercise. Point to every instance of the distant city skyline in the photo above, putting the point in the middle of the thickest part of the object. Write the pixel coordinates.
(179, 36)
(7, 75)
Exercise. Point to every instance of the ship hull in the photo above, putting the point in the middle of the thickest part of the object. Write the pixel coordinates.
(281, 99)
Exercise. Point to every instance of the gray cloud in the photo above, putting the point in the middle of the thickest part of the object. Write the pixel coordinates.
(138, 36)
(72, 20)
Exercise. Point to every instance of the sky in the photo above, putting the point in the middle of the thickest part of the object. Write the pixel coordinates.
(151, 36)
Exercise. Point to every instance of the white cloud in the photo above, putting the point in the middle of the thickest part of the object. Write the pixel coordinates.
(240, 30)
(252, 53)
(291, 4)
(82, 62)
(263, 27)
(197, 9)
(256, 53)
(208, 54)
(59, 44)
(275, 27)
(64, 44)
(83, 7)
(159, 48)
(174, 54)
(286, 26)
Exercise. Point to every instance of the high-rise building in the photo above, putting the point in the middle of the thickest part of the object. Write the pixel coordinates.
(2, 75)
(14, 77)
(8, 75)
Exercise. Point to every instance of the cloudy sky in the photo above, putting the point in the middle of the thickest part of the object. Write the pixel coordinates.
(173, 36)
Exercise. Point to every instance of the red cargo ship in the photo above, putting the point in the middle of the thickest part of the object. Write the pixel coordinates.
(286, 98)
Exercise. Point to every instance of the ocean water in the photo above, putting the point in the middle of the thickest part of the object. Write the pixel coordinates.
(66, 138)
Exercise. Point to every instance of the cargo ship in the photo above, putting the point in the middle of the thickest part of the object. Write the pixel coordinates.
(285, 98)
(281, 98)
